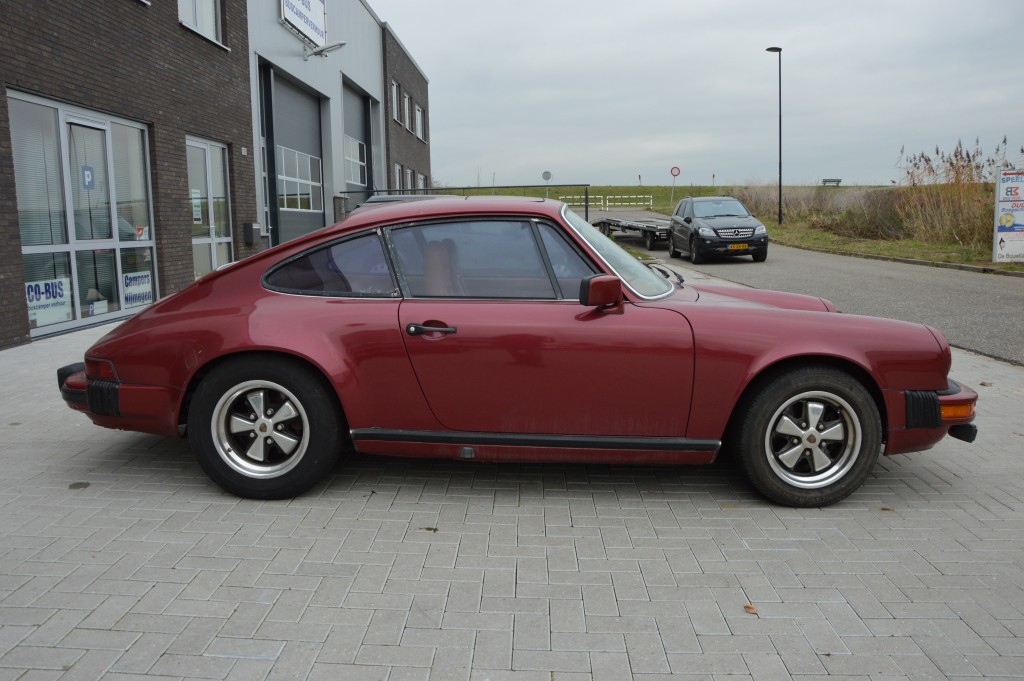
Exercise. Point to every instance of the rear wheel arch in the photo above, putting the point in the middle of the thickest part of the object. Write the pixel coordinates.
(205, 370)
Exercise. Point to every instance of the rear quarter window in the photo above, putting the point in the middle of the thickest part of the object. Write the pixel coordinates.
(354, 267)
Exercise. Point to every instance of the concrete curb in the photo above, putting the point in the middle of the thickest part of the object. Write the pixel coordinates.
(909, 261)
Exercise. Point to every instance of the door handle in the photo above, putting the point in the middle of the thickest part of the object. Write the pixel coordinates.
(420, 329)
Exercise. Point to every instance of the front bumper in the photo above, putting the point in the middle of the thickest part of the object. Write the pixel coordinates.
(928, 416)
(718, 246)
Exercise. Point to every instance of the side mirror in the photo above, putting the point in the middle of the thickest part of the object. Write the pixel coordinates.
(600, 290)
(688, 220)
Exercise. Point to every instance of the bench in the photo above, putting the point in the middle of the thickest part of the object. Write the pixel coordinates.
(831, 181)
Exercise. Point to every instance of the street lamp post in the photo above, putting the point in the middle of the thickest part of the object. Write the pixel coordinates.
(778, 50)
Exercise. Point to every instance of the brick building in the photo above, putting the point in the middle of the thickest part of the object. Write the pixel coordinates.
(407, 119)
(144, 144)
(126, 162)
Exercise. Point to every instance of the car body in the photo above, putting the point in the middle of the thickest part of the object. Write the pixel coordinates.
(707, 226)
(502, 329)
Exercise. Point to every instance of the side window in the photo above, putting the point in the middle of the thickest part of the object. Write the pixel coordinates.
(472, 259)
(681, 208)
(688, 210)
(568, 265)
(356, 267)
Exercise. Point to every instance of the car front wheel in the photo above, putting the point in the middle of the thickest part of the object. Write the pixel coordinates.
(760, 256)
(264, 428)
(809, 437)
(695, 257)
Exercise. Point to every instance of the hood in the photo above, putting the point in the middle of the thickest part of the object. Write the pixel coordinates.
(741, 295)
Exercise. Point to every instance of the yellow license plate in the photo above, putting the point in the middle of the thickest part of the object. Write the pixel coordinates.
(738, 247)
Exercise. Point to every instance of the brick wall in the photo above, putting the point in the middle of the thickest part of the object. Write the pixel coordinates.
(136, 61)
(403, 147)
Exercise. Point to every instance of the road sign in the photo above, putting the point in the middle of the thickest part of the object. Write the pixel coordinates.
(675, 171)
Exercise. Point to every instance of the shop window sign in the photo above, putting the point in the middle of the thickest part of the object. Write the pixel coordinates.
(88, 178)
(49, 301)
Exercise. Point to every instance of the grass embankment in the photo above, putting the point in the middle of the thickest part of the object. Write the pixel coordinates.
(942, 210)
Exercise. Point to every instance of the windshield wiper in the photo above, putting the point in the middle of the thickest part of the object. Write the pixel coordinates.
(665, 271)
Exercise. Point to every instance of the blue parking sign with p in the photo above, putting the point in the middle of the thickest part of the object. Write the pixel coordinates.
(88, 181)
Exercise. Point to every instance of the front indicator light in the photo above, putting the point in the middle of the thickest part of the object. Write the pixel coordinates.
(957, 411)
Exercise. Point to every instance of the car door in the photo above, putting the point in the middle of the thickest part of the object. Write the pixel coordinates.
(678, 227)
(500, 343)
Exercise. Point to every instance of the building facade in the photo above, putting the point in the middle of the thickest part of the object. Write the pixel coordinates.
(144, 144)
(407, 116)
(316, 76)
(125, 165)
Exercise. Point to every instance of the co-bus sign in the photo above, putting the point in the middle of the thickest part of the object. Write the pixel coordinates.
(675, 171)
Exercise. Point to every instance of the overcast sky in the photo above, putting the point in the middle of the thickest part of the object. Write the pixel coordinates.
(602, 91)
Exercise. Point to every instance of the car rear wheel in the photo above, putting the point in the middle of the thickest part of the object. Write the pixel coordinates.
(265, 428)
(809, 437)
(695, 257)
(649, 240)
(673, 252)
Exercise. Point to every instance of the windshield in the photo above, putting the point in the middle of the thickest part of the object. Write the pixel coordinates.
(718, 208)
(636, 276)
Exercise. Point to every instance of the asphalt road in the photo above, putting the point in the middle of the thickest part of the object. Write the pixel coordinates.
(979, 312)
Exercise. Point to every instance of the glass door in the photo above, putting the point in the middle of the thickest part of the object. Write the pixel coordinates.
(209, 204)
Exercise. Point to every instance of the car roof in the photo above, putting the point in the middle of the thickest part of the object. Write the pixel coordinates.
(713, 198)
(449, 206)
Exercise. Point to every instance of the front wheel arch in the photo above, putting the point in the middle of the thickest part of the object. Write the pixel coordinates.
(741, 445)
(782, 366)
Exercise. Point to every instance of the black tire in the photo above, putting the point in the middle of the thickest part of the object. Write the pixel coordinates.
(695, 257)
(673, 252)
(276, 454)
(809, 437)
(760, 256)
(649, 240)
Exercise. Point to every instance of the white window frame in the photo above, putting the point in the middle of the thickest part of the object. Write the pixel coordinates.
(67, 114)
(212, 239)
(421, 181)
(398, 176)
(394, 100)
(191, 22)
(310, 162)
(408, 178)
(405, 112)
(419, 122)
(353, 163)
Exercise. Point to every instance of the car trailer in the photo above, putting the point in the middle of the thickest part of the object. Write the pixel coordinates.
(653, 230)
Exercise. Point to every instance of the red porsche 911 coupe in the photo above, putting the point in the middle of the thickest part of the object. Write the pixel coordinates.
(499, 329)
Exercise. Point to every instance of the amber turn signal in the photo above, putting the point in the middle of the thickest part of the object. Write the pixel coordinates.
(957, 411)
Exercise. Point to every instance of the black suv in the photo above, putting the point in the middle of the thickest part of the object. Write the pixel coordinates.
(716, 225)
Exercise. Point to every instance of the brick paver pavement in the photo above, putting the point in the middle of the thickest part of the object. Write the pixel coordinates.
(120, 560)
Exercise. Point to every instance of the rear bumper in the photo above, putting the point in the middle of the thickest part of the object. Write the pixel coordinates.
(123, 406)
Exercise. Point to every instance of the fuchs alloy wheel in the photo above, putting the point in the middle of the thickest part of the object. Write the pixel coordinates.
(264, 428)
(809, 437)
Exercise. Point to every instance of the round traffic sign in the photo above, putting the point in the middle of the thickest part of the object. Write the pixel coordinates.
(675, 171)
